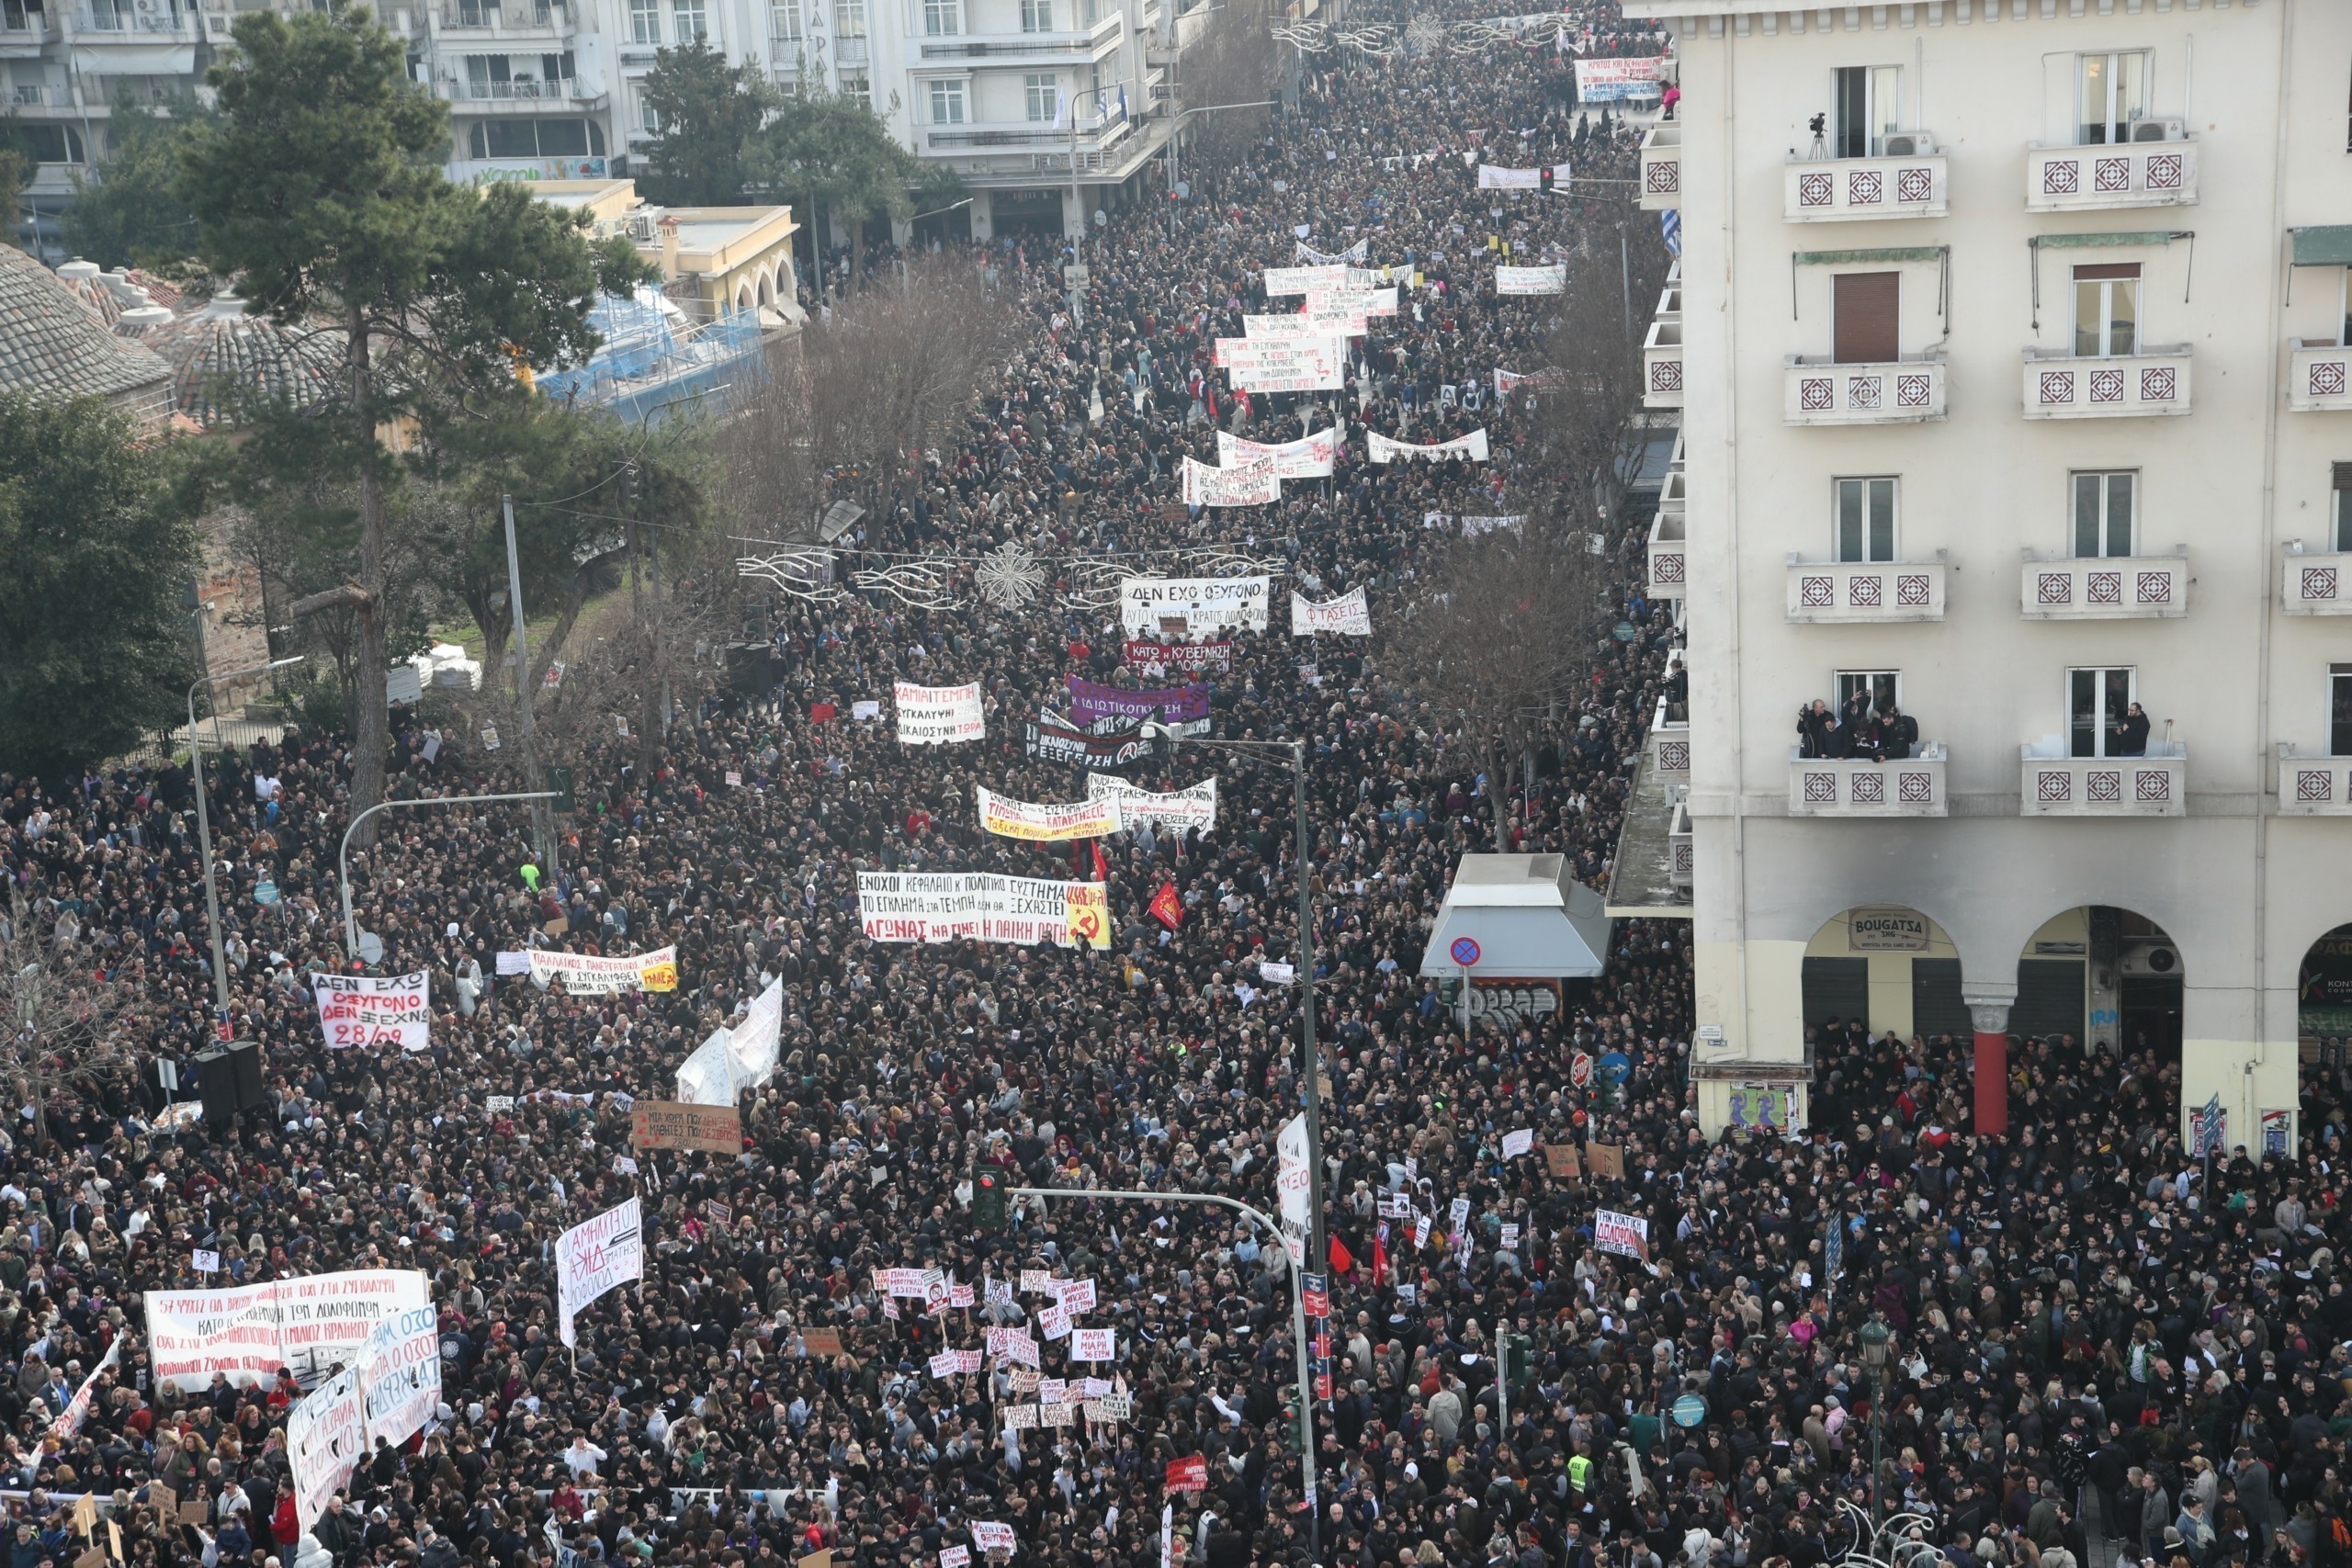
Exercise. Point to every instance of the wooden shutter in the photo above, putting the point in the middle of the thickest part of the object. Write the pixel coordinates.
(2093, 273)
(1869, 318)
(2343, 475)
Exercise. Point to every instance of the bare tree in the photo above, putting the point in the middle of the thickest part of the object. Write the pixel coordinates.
(1592, 390)
(1235, 61)
(67, 1027)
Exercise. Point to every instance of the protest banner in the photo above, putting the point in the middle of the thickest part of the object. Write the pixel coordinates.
(400, 1375)
(1532, 279)
(1381, 449)
(1549, 380)
(1093, 1345)
(994, 1537)
(1561, 1160)
(822, 1341)
(674, 1124)
(373, 1009)
(1293, 1186)
(1518, 1143)
(325, 1440)
(1358, 253)
(1054, 740)
(1074, 1295)
(1347, 615)
(1054, 1324)
(1309, 458)
(1495, 177)
(1090, 701)
(1193, 807)
(1189, 605)
(595, 1256)
(1601, 79)
(939, 715)
(1256, 485)
(1188, 658)
(1626, 1234)
(1286, 280)
(1606, 1159)
(1188, 1474)
(77, 1409)
(981, 906)
(586, 975)
(1291, 365)
(311, 1324)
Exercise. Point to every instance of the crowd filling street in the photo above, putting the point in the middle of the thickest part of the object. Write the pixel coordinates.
(2030, 1350)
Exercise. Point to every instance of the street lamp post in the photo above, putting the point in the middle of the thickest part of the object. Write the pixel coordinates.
(1297, 1322)
(350, 923)
(1874, 1335)
(204, 835)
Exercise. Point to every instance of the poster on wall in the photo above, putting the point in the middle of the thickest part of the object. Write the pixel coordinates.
(2278, 1132)
(1762, 1109)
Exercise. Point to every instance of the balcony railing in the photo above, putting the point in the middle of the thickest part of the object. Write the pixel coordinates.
(501, 18)
(28, 97)
(1025, 135)
(2155, 381)
(1661, 167)
(2319, 377)
(126, 24)
(511, 92)
(2152, 785)
(1830, 786)
(2313, 783)
(1670, 560)
(2088, 179)
(1815, 391)
(1913, 185)
(2317, 585)
(2104, 588)
(1027, 46)
(1669, 746)
(1681, 858)
(1854, 593)
(852, 52)
(1662, 365)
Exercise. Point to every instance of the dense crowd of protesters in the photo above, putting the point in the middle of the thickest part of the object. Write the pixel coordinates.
(2075, 1321)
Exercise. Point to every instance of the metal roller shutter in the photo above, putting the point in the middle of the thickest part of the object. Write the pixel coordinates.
(1837, 987)
(1936, 1007)
(2050, 997)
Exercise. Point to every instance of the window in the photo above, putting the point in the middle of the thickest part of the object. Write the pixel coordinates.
(943, 18)
(947, 103)
(784, 25)
(2098, 702)
(505, 137)
(2339, 710)
(487, 76)
(849, 19)
(555, 68)
(2340, 520)
(1042, 90)
(2107, 309)
(51, 143)
(1865, 520)
(1884, 688)
(645, 21)
(692, 23)
(1036, 16)
(2111, 95)
(1867, 311)
(858, 85)
(2103, 507)
(1870, 104)
(477, 13)
(649, 116)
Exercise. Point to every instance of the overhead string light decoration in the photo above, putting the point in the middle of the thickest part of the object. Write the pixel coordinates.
(1011, 577)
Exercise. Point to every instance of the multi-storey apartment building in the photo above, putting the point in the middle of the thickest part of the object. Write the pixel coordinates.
(2010, 343)
(1009, 94)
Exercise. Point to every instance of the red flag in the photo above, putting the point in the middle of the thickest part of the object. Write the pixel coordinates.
(1341, 1258)
(1168, 907)
(1379, 1262)
(1101, 870)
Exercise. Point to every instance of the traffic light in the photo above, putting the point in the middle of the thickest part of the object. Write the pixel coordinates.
(559, 781)
(991, 1204)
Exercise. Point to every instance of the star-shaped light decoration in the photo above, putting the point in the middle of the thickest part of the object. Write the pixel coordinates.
(1424, 33)
(1009, 576)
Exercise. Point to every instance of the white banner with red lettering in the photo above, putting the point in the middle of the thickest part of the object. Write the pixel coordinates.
(939, 715)
(327, 1437)
(1253, 484)
(1282, 280)
(593, 1258)
(311, 1324)
(1382, 449)
(1347, 615)
(1309, 458)
(1626, 1234)
(373, 1009)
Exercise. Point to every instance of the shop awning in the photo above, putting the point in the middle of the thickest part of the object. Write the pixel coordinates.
(1520, 917)
(2327, 245)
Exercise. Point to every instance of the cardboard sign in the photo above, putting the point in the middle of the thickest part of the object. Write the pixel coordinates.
(1562, 1160)
(822, 1341)
(815, 1560)
(674, 1124)
(718, 1213)
(193, 1510)
(1608, 1159)
(163, 1500)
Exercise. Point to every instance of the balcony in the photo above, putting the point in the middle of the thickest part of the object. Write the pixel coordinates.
(1669, 744)
(1670, 563)
(2064, 387)
(127, 26)
(1911, 184)
(22, 33)
(852, 50)
(1840, 592)
(1022, 135)
(1681, 857)
(2313, 783)
(2317, 585)
(1662, 365)
(519, 94)
(2104, 588)
(1077, 46)
(25, 96)
(2319, 377)
(1815, 391)
(2095, 178)
(1661, 167)
(1828, 786)
(505, 22)
(2057, 785)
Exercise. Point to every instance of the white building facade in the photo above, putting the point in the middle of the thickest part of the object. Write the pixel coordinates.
(2014, 396)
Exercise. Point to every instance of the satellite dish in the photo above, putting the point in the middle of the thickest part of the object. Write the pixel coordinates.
(371, 948)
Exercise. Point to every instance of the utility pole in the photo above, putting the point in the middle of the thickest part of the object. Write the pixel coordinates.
(542, 817)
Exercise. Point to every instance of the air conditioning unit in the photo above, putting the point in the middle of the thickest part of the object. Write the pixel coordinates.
(2154, 961)
(2160, 130)
(1911, 144)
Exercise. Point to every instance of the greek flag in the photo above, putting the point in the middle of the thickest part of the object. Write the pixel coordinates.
(1670, 224)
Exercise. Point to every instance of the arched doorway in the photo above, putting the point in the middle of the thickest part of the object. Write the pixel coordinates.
(1881, 968)
(2324, 998)
(2102, 979)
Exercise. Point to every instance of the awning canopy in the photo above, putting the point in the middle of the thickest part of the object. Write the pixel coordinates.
(1520, 917)
(2327, 245)
(1883, 253)
(2101, 242)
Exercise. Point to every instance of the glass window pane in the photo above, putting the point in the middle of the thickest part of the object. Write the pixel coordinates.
(2087, 496)
(2089, 311)
(1881, 520)
(1850, 520)
(563, 138)
(2082, 704)
(2342, 521)
(2118, 513)
(2123, 315)
(2340, 713)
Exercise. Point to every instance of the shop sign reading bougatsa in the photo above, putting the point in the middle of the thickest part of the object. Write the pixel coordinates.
(671, 1124)
(1886, 929)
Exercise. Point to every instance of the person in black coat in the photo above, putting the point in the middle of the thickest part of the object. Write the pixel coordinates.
(1898, 733)
(2132, 735)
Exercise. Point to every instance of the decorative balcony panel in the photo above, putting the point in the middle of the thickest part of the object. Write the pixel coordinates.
(1906, 392)
(1854, 593)
(2314, 786)
(2152, 785)
(2089, 179)
(1670, 747)
(1681, 858)
(1833, 190)
(2319, 377)
(1834, 787)
(1661, 167)
(1662, 365)
(2105, 588)
(2156, 382)
(2318, 585)
(1669, 557)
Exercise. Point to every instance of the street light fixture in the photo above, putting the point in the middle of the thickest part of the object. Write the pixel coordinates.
(350, 922)
(1874, 1335)
(204, 835)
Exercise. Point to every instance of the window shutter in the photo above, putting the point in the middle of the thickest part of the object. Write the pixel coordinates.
(2343, 476)
(1869, 317)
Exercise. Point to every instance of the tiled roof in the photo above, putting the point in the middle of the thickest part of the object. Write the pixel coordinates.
(52, 343)
(222, 361)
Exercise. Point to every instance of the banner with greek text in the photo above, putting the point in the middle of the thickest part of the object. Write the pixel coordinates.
(310, 1323)
(1472, 446)
(588, 974)
(1493, 178)
(1309, 458)
(1089, 701)
(1548, 381)
(1256, 485)
(1009, 818)
(1532, 279)
(327, 1437)
(1359, 253)
(1600, 80)
(593, 1258)
(400, 1375)
(1347, 615)
(1284, 365)
(1626, 1234)
(1053, 738)
(908, 905)
(1182, 657)
(939, 715)
(373, 1009)
(1191, 807)
(1148, 604)
(1282, 280)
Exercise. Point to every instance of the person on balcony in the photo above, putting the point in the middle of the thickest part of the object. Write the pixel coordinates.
(2132, 734)
(1898, 733)
(1819, 734)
